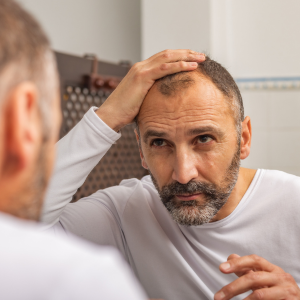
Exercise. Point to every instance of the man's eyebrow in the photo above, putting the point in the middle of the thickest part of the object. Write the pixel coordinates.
(153, 133)
(206, 129)
(192, 132)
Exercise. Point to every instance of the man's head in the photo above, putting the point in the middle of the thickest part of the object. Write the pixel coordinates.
(192, 135)
(29, 112)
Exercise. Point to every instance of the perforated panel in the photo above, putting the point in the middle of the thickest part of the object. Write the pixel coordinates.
(122, 161)
(76, 102)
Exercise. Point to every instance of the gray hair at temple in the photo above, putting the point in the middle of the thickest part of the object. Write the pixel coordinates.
(25, 55)
(218, 75)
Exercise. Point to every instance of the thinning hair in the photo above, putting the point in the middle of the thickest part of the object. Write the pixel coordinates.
(25, 55)
(214, 72)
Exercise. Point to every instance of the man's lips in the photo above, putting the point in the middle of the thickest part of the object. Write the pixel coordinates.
(188, 197)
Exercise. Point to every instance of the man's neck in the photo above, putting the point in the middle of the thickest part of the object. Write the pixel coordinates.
(244, 180)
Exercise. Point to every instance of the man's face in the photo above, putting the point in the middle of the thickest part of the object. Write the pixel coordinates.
(190, 146)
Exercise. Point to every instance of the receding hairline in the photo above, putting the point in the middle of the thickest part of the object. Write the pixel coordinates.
(214, 73)
(191, 78)
(188, 78)
(195, 77)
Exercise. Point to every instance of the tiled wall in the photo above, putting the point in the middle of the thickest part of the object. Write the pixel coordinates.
(275, 115)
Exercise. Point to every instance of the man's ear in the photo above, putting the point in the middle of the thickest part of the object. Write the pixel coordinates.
(23, 129)
(140, 149)
(246, 136)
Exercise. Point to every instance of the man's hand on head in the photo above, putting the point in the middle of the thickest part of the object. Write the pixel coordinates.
(266, 280)
(124, 103)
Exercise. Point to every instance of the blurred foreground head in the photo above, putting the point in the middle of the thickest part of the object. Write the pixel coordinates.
(29, 112)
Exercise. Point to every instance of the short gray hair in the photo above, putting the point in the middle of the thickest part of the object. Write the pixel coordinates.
(25, 54)
(218, 75)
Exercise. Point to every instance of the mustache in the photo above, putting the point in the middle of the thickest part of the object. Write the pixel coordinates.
(190, 188)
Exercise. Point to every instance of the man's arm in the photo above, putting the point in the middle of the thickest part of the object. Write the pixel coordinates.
(77, 154)
(93, 218)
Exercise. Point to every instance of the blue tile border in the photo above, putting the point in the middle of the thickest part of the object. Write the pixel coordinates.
(262, 83)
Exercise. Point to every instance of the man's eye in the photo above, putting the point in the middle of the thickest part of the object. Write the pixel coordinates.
(202, 139)
(159, 143)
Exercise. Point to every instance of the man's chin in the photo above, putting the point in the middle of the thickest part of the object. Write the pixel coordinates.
(189, 213)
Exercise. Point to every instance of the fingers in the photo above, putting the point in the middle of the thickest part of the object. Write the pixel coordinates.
(173, 61)
(232, 256)
(165, 63)
(265, 279)
(274, 293)
(239, 274)
(171, 68)
(251, 281)
(149, 73)
(168, 56)
(246, 263)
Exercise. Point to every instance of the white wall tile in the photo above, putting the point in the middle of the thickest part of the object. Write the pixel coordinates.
(284, 149)
(256, 107)
(275, 119)
(259, 155)
(284, 107)
(291, 170)
(111, 29)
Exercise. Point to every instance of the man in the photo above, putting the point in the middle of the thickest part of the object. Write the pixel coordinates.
(198, 206)
(176, 226)
(35, 265)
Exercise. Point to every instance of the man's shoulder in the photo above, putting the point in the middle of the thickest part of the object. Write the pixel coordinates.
(28, 236)
(276, 182)
(44, 264)
(23, 244)
(281, 177)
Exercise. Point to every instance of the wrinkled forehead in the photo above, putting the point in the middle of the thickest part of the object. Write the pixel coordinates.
(198, 101)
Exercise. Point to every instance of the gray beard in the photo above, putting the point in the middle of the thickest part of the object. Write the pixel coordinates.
(192, 213)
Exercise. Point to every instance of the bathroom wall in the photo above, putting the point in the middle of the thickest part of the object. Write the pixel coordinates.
(276, 129)
(258, 41)
(109, 28)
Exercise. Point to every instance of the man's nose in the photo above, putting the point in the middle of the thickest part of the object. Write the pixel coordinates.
(185, 168)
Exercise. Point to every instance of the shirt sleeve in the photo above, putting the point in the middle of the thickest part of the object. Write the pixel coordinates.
(93, 218)
(77, 154)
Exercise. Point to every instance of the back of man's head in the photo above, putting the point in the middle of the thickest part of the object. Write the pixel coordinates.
(28, 87)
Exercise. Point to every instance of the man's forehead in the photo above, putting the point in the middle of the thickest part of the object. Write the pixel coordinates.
(201, 100)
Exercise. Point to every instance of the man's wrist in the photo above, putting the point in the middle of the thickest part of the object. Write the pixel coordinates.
(109, 118)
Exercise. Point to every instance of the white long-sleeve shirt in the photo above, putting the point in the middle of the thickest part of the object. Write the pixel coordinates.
(36, 265)
(172, 262)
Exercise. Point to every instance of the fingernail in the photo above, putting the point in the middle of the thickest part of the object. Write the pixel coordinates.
(225, 266)
(219, 296)
(193, 64)
(201, 54)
